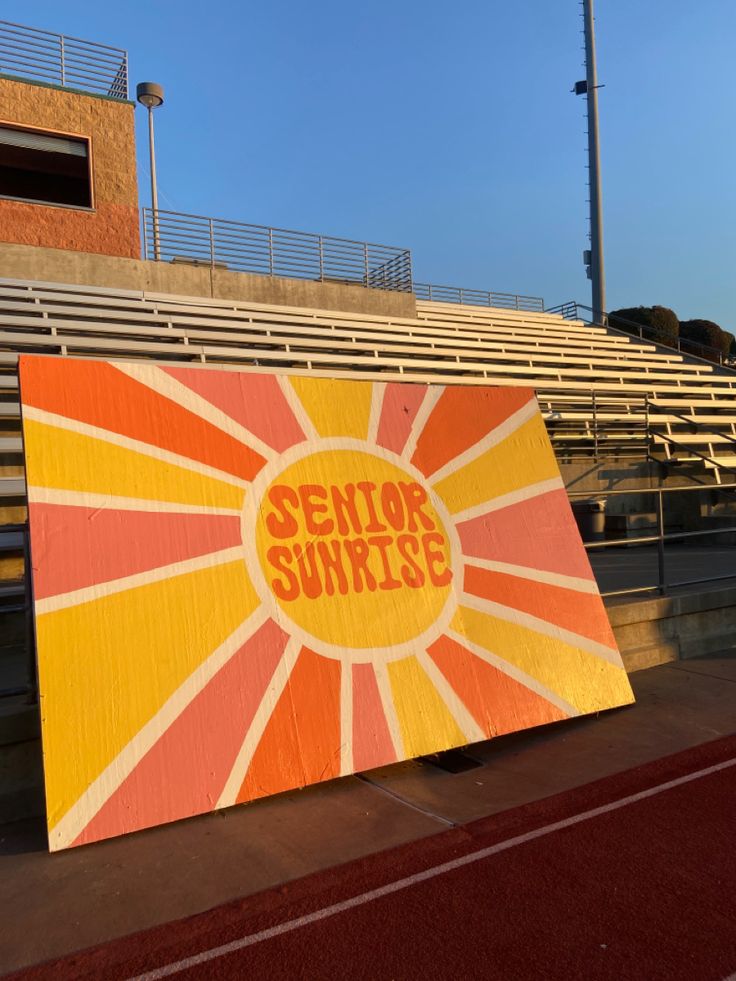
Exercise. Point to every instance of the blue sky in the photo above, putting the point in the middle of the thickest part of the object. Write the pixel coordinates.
(450, 130)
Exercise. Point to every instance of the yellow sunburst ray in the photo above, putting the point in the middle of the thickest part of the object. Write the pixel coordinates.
(129, 443)
(587, 682)
(424, 718)
(336, 408)
(525, 457)
(539, 625)
(121, 766)
(137, 647)
(59, 458)
(497, 435)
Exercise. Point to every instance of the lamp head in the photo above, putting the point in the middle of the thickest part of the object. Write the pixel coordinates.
(149, 94)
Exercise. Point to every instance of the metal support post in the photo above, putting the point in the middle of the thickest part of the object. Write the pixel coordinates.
(154, 189)
(212, 243)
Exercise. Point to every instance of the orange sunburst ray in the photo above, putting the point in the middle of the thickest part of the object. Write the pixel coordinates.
(461, 419)
(578, 612)
(498, 702)
(301, 740)
(93, 393)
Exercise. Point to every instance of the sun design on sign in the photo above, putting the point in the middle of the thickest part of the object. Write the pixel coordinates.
(246, 583)
(353, 549)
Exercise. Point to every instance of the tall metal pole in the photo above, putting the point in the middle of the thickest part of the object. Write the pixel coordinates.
(154, 190)
(151, 95)
(597, 273)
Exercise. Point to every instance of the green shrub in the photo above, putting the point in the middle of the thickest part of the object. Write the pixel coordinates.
(709, 334)
(659, 324)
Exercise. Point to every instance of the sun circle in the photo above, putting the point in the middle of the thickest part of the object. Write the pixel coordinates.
(353, 549)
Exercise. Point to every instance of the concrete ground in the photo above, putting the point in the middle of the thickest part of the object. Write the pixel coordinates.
(54, 904)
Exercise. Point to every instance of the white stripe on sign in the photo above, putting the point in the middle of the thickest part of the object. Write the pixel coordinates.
(412, 880)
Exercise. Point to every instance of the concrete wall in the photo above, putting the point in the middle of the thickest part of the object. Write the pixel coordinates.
(64, 266)
(111, 227)
(671, 628)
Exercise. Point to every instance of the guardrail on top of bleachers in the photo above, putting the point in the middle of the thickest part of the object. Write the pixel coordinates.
(571, 310)
(221, 243)
(483, 298)
(58, 59)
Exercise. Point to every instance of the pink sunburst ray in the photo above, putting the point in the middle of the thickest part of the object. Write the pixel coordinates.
(253, 400)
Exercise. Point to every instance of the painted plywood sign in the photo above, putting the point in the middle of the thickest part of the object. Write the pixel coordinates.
(246, 583)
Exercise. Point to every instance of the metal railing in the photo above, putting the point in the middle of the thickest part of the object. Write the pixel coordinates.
(661, 537)
(482, 298)
(216, 242)
(58, 59)
(596, 425)
(703, 352)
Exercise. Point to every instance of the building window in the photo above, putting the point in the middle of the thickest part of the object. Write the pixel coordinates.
(44, 168)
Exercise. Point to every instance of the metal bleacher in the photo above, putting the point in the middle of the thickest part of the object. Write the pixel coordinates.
(603, 394)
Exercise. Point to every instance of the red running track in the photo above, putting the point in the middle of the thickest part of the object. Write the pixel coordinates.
(631, 877)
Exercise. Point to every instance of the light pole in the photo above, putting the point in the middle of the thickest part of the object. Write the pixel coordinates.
(589, 88)
(151, 95)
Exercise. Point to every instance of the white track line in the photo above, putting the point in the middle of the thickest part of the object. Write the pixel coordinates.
(411, 880)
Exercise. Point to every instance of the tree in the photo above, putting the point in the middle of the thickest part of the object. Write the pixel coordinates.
(658, 324)
(709, 334)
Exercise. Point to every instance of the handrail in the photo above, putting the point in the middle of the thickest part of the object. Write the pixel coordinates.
(661, 537)
(222, 243)
(570, 311)
(484, 298)
(58, 59)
